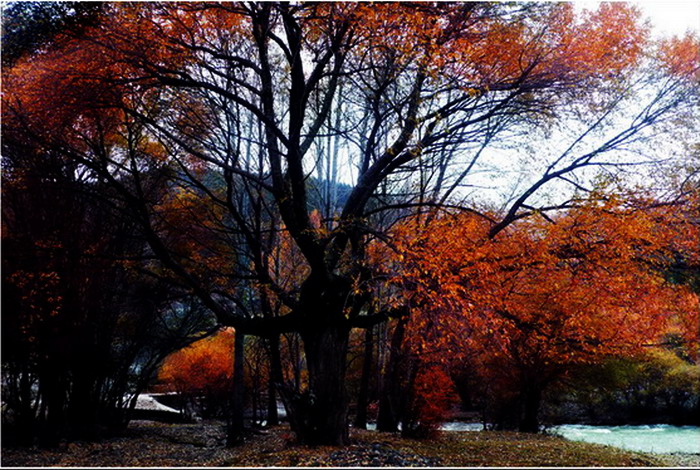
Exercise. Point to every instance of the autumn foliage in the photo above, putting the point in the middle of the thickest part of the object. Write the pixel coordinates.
(430, 399)
(680, 55)
(118, 65)
(202, 370)
(549, 293)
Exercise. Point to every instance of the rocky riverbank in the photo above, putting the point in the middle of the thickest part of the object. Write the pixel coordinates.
(680, 460)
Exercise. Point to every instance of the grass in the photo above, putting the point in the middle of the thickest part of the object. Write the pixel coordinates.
(459, 449)
(503, 449)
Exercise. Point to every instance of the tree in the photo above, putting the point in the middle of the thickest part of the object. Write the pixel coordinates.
(657, 386)
(27, 26)
(83, 329)
(236, 100)
(548, 293)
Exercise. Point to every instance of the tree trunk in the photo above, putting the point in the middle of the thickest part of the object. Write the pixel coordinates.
(275, 379)
(531, 397)
(326, 356)
(361, 415)
(318, 416)
(52, 395)
(24, 426)
(83, 408)
(390, 399)
(235, 428)
(410, 411)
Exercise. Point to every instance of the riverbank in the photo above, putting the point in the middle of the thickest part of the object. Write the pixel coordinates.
(149, 443)
(680, 460)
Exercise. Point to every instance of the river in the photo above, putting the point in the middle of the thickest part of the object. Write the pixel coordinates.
(657, 438)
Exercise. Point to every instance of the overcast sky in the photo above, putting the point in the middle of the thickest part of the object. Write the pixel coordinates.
(674, 17)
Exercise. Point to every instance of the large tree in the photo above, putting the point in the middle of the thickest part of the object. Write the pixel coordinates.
(238, 104)
(524, 307)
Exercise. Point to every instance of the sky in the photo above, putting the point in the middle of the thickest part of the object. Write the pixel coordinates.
(674, 17)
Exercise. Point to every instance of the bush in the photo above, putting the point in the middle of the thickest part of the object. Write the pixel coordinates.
(657, 388)
(430, 399)
(202, 374)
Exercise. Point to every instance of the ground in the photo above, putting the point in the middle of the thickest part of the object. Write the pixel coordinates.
(148, 443)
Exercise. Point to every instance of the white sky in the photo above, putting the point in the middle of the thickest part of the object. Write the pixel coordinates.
(674, 17)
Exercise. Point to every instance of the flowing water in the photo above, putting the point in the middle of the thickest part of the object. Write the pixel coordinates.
(656, 438)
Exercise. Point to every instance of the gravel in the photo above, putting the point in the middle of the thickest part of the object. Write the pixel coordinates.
(679, 459)
(379, 455)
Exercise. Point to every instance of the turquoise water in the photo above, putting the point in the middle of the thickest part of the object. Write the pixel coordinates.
(657, 438)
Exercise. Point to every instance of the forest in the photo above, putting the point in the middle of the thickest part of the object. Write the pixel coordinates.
(337, 216)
